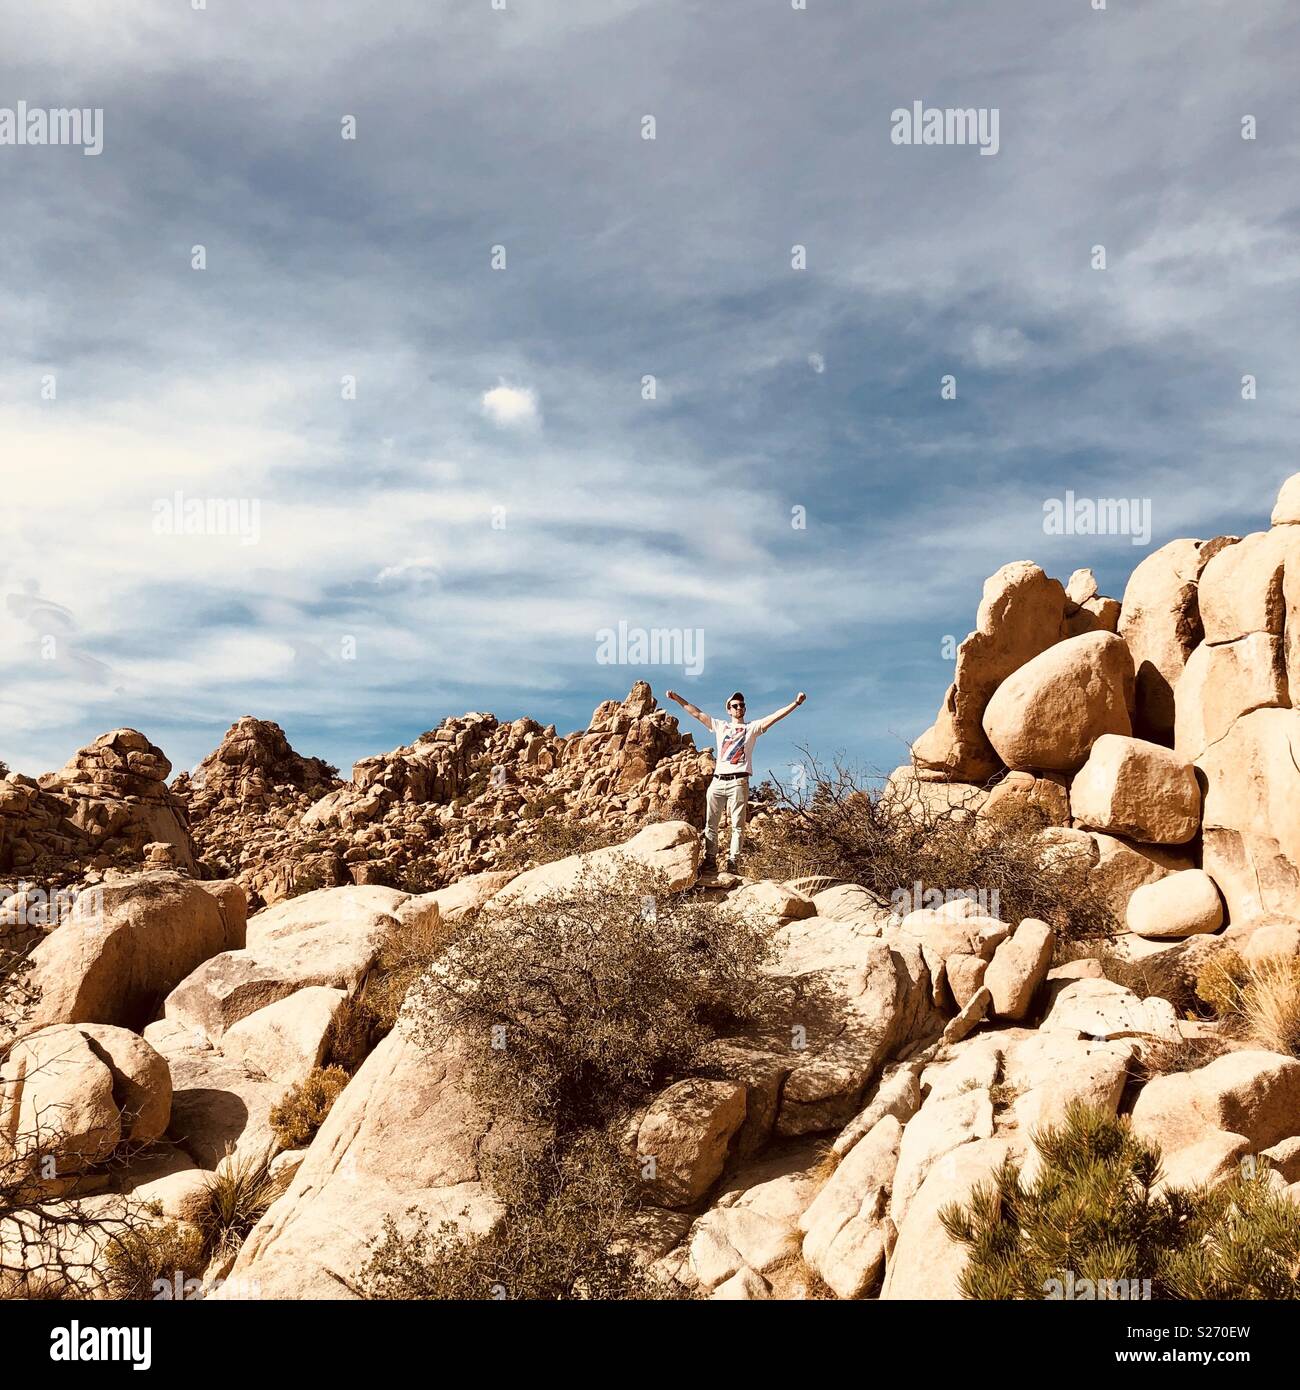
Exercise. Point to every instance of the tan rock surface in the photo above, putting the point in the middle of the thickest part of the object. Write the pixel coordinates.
(1019, 617)
(1047, 715)
(1136, 789)
(1184, 904)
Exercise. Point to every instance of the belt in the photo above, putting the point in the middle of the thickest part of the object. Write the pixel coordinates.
(728, 776)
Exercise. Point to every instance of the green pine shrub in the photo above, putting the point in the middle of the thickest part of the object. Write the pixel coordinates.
(1092, 1214)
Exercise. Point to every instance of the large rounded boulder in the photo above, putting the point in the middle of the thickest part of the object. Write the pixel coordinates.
(1049, 713)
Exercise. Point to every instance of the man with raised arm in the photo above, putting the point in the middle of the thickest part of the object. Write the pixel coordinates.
(730, 785)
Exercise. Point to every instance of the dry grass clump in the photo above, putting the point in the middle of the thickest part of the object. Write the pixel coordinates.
(1259, 1000)
(1165, 1056)
(239, 1192)
(141, 1259)
(1165, 975)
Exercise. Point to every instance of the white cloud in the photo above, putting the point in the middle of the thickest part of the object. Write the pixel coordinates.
(997, 347)
(511, 407)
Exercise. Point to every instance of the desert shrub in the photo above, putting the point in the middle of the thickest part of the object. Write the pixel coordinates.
(555, 836)
(406, 950)
(239, 1192)
(405, 953)
(596, 998)
(576, 1006)
(302, 1111)
(1259, 1000)
(1092, 1214)
(138, 1259)
(562, 1236)
(421, 876)
(860, 829)
(354, 1032)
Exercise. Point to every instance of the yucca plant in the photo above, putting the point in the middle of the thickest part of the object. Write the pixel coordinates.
(239, 1192)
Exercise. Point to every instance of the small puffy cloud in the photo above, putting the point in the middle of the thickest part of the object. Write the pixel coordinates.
(817, 362)
(511, 407)
(997, 347)
(421, 569)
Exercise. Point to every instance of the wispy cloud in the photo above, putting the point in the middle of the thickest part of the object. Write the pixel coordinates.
(462, 473)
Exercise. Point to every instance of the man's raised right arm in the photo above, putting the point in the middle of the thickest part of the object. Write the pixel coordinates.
(704, 719)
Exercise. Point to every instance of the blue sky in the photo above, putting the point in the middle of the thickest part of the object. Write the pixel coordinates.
(776, 388)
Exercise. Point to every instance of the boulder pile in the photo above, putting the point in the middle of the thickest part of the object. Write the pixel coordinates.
(899, 1057)
(1160, 734)
(102, 809)
(450, 804)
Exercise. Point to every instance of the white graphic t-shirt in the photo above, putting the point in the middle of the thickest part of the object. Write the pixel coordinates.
(736, 743)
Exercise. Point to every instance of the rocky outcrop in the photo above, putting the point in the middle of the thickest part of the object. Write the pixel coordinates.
(1048, 713)
(402, 1138)
(1136, 789)
(99, 811)
(454, 803)
(1160, 620)
(1021, 615)
(671, 849)
(1252, 813)
(1204, 656)
(76, 1093)
(251, 765)
(326, 939)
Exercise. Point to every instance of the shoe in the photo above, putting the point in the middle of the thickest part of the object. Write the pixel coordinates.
(730, 867)
(708, 865)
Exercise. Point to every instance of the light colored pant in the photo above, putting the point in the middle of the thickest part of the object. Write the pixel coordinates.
(734, 795)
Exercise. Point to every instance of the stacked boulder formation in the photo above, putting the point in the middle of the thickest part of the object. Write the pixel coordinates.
(102, 809)
(1158, 735)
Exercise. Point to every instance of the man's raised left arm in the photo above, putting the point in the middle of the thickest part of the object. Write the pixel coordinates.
(765, 724)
